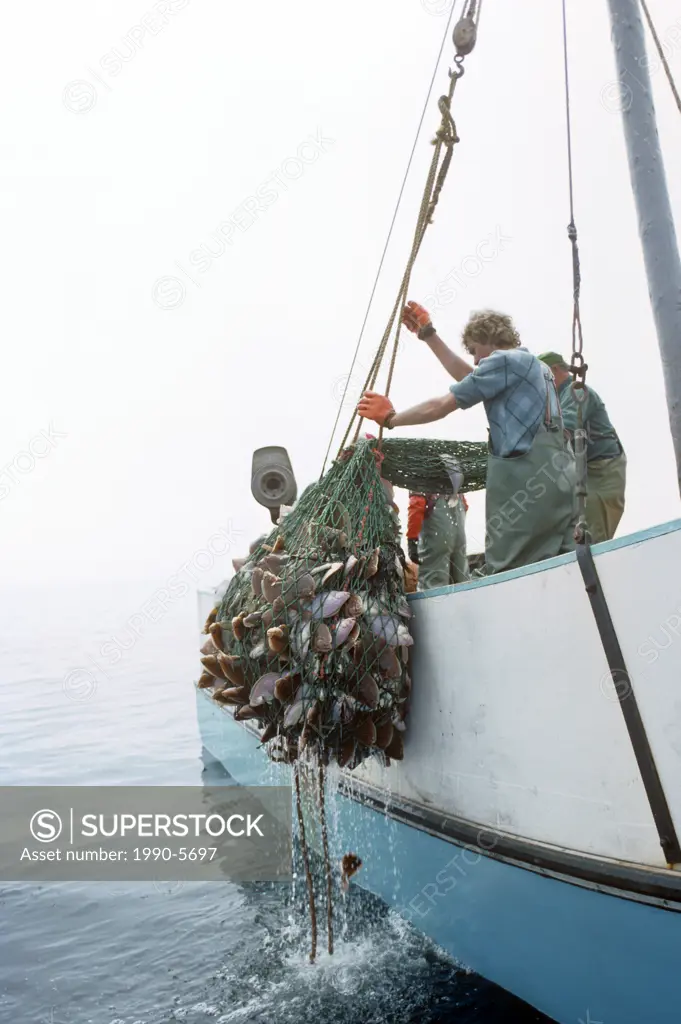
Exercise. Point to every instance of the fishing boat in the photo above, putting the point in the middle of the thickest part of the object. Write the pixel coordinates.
(532, 829)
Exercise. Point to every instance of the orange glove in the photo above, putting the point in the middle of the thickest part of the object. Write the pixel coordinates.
(415, 317)
(415, 515)
(375, 407)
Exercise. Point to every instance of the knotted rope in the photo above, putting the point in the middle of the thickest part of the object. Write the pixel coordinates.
(445, 139)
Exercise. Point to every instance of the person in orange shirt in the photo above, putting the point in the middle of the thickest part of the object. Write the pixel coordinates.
(436, 538)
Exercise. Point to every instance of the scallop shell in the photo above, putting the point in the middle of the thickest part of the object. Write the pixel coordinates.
(209, 648)
(253, 620)
(328, 603)
(365, 731)
(263, 691)
(384, 735)
(323, 640)
(342, 711)
(306, 585)
(354, 607)
(215, 632)
(390, 663)
(404, 637)
(350, 865)
(346, 752)
(332, 570)
(235, 695)
(274, 563)
(286, 685)
(205, 681)
(313, 714)
(320, 568)
(256, 582)
(211, 618)
(388, 627)
(238, 627)
(349, 566)
(302, 587)
(277, 638)
(343, 631)
(267, 617)
(300, 639)
(218, 697)
(271, 587)
(358, 652)
(231, 669)
(368, 692)
(245, 712)
(294, 715)
(212, 665)
(372, 564)
(269, 733)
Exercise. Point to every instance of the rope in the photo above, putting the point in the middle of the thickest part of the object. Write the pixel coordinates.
(660, 51)
(390, 232)
(306, 861)
(327, 860)
(578, 367)
(446, 138)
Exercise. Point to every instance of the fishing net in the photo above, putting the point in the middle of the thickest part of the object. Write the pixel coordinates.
(311, 638)
(427, 466)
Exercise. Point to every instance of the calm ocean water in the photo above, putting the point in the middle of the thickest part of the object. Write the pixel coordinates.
(213, 953)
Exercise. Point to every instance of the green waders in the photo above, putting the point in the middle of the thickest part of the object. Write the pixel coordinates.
(531, 506)
(442, 546)
(605, 484)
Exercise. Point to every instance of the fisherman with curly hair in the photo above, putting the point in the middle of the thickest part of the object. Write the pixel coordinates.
(531, 497)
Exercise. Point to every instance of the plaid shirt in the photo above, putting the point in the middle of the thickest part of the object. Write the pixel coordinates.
(512, 384)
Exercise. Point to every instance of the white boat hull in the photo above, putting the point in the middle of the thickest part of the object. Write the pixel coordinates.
(517, 752)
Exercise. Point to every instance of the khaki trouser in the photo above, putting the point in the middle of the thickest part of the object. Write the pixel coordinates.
(442, 546)
(531, 505)
(605, 485)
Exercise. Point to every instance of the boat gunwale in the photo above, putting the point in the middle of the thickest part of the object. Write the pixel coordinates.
(630, 540)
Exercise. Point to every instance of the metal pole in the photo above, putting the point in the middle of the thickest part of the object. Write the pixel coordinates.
(655, 222)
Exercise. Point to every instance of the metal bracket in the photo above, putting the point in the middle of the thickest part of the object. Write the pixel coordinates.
(627, 699)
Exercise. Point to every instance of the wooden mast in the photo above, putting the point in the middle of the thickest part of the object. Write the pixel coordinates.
(649, 183)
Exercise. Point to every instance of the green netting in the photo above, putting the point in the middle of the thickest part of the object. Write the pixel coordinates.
(427, 466)
(311, 638)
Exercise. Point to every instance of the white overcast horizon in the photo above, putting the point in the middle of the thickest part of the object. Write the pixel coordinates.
(195, 198)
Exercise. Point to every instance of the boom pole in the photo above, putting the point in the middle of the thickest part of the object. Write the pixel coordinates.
(649, 183)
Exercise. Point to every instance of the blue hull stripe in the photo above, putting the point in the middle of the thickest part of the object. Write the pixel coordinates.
(574, 952)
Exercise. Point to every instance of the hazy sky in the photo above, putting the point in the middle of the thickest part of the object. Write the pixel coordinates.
(195, 196)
